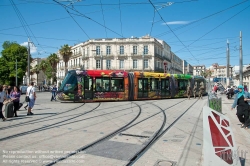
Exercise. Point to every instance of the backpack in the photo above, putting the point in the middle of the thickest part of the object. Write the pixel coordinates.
(231, 91)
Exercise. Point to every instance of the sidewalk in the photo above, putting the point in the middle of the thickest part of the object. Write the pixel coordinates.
(241, 135)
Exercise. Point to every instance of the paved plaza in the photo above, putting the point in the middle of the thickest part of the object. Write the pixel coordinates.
(57, 129)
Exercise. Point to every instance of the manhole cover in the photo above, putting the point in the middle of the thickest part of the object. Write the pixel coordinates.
(179, 136)
(176, 140)
(165, 163)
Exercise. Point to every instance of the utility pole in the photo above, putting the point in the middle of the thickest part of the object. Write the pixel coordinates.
(28, 73)
(241, 61)
(228, 64)
(16, 71)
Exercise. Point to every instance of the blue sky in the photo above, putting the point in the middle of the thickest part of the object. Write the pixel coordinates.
(196, 30)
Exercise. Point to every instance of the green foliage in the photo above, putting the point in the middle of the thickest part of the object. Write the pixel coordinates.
(12, 52)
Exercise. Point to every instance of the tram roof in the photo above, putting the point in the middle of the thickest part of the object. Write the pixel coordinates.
(103, 73)
(182, 76)
(152, 74)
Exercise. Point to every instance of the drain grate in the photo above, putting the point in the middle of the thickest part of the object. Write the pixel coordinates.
(133, 135)
(164, 163)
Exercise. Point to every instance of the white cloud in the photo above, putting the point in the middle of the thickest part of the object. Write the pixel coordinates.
(176, 22)
(33, 49)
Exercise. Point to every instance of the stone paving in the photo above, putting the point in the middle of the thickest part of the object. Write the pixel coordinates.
(58, 128)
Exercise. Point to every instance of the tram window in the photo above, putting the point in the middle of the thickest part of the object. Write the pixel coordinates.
(140, 84)
(88, 83)
(183, 84)
(164, 84)
(69, 83)
(117, 84)
(102, 84)
(145, 83)
(154, 84)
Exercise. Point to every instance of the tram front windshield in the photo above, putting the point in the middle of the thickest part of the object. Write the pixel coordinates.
(69, 83)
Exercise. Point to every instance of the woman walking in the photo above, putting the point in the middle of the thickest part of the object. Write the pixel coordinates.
(242, 106)
(2, 98)
(15, 96)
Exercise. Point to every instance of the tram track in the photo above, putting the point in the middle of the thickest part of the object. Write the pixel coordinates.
(118, 131)
(37, 120)
(40, 128)
(44, 119)
(156, 138)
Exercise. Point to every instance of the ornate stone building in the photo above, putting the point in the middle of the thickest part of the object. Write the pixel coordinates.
(131, 54)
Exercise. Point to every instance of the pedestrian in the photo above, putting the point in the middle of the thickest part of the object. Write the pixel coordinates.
(247, 99)
(32, 97)
(2, 98)
(242, 106)
(15, 97)
(201, 89)
(195, 90)
(188, 92)
(245, 88)
(53, 91)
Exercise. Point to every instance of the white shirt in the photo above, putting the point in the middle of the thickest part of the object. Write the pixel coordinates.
(2, 96)
(30, 92)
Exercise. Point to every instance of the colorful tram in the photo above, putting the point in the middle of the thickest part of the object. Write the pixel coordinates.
(114, 85)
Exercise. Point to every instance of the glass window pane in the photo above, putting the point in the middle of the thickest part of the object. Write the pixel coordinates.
(117, 84)
(102, 84)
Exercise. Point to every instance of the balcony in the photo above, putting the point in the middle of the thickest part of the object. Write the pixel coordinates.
(122, 57)
(85, 57)
(141, 56)
(109, 56)
(62, 67)
(77, 54)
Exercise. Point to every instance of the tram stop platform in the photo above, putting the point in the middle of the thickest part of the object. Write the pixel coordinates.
(57, 129)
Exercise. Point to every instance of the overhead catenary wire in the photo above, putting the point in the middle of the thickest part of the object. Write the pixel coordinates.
(104, 22)
(193, 22)
(217, 26)
(172, 30)
(120, 16)
(84, 16)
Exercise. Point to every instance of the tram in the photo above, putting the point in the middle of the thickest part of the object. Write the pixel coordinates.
(120, 85)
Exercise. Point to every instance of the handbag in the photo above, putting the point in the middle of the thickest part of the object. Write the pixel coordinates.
(27, 98)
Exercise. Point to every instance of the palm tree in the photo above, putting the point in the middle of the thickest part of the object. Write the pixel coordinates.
(43, 66)
(36, 69)
(53, 60)
(66, 53)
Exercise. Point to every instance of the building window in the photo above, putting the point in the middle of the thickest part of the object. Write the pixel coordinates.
(134, 64)
(121, 64)
(108, 64)
(83, 52)
(98, 64)
(98, 50)
(134, 50)
(121, 50)
(145, 50)
(158, 64)
(108, 50)
(88, 51)
(87, 64)
(146, 63)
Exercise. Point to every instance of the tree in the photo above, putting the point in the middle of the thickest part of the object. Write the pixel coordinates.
(36, 69)
(10, 53)
(53, 60)
(66, 53)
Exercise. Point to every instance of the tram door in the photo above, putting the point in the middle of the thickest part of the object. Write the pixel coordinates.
(165, 88)
(143, 88)
(88, 88)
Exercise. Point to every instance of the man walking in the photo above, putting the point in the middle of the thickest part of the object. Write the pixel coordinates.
(32, 97)
(53, 91)
(195, 90)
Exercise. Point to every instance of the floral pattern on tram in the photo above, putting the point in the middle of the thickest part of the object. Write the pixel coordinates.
(180, 83)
